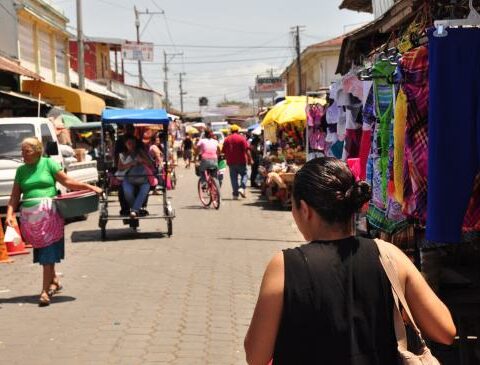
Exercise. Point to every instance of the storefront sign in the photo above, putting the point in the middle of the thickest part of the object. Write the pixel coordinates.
(269, 84)
(133, 51)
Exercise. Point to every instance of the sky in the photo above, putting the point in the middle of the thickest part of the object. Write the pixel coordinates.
(220, 45)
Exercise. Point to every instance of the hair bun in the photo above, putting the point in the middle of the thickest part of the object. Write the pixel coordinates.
(359, 194)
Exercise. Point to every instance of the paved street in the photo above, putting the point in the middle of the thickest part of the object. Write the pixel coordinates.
(145, 298)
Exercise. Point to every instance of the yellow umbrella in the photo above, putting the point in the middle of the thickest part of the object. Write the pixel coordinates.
(291, 110)
(192, 130)
(273, 114)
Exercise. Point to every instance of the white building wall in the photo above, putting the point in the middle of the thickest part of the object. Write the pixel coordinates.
(8, 29)
(328, 66)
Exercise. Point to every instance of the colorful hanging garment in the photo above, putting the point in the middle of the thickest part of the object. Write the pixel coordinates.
(384, 212)
(368, 121)
(414, 65)
(471, 222)
(399, 144)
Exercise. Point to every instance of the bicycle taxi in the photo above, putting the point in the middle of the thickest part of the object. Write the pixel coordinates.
(107, 168)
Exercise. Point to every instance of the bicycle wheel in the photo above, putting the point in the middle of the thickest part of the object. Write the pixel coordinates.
(204, 194)
(215, 192)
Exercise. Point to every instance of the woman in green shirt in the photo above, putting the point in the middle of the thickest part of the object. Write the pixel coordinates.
(41, 225)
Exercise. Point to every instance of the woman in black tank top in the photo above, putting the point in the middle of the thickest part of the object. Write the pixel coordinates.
(330, 301)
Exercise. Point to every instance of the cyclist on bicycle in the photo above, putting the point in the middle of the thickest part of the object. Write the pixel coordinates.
(208, 149)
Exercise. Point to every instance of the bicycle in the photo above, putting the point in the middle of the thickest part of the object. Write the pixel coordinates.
(209, 189)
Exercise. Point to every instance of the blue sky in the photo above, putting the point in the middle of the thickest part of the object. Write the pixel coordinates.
(190, 26)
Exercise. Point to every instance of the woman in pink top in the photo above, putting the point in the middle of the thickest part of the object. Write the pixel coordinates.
(208, 150)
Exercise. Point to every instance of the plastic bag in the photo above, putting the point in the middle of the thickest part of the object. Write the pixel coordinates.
(11, 235)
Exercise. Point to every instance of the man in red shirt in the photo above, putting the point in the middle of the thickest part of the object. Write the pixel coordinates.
(237, 152)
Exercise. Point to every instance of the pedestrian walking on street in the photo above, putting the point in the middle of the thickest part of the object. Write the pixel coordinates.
(238, 155)
(41, 224)
(187, 146)
(256, 156)
(330, 301)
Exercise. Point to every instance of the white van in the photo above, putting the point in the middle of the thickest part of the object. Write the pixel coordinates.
(12, 133)
(218, 126)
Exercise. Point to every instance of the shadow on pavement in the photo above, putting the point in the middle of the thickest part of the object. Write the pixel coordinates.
(33, 299)
(267, 205)
(258, 239)
(114, 234)
(193, 207)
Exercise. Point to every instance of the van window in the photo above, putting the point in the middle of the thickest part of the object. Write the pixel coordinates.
(11, 137)
(46, 135)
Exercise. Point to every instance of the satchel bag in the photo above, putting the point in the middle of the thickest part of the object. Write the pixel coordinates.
(137, 175)
(423, 355)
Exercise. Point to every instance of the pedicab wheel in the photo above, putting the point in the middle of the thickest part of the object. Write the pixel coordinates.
(103, 232)
(173, 179)
(170, 227)
(204, 195)
(102, 223)
(215, 193)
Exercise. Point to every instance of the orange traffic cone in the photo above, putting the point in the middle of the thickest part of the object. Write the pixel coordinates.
(4, 259)
(19, 248)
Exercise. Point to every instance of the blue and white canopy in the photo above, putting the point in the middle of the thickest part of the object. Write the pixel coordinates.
(135, 116)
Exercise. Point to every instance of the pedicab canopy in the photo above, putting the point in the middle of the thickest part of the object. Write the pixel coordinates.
(135, 116)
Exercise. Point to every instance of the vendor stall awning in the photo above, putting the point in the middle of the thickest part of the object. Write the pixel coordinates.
(75, 101)
(13, 67)
(135, 116)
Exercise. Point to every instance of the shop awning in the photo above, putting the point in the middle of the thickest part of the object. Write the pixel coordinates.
(95, 87)
(361, 42)
(357, 5)
(74, 101)
(11, 66)
(16, 95)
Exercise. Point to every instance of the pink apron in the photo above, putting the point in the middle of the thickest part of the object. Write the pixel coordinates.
(41, 225)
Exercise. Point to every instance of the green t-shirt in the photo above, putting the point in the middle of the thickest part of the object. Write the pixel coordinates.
(38, 181)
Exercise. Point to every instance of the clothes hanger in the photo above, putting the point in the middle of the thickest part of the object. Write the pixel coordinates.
(472, 19)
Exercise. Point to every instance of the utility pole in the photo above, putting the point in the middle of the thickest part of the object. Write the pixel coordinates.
(137, 26)
(180, 76)
(80, 53)
(165, 70)
(80, 48)
(299, 64)
(165, 81)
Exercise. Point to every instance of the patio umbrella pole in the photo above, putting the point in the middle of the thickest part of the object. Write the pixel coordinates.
(38, 104)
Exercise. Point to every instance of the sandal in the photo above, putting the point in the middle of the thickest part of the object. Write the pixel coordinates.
(44, 299)
(54, 288)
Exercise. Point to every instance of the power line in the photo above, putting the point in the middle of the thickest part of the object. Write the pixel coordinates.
(222, 46)
(115, 5)
(215, 62)
(214, 27)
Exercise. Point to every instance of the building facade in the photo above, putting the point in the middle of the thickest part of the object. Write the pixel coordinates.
(318, 64)
(102, 59)
(43, 40)
(8, 26)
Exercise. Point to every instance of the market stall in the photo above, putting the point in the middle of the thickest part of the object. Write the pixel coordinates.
(286, 144)
(403, 112)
